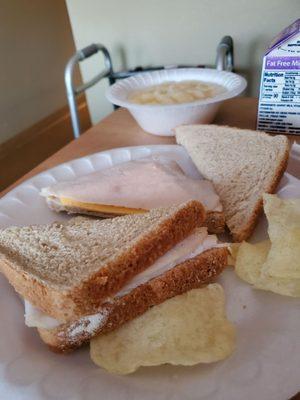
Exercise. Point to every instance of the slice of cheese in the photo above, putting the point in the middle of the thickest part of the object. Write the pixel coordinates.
(100, 208)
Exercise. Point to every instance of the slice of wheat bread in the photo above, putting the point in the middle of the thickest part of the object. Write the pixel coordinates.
(188, 275)
(215, 220)
(67, 270)
(242, 164)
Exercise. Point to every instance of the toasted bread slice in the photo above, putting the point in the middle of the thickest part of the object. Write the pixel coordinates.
(242, 164)
(188, 275)
(67, 270)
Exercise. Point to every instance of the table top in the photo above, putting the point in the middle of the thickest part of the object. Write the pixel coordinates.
(119, 129)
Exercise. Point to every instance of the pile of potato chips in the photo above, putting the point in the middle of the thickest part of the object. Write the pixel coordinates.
(275, 263)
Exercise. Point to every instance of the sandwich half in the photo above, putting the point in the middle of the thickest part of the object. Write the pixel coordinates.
(68, 269)
(135, 187)
(89, 276)
(242, 164)
(195, 261)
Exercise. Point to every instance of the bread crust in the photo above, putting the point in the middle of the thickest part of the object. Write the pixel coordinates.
(87, 297)
(248, 230)
(188, 275)
(215, 220)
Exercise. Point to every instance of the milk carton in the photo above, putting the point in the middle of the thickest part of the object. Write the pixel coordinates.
(279, 101)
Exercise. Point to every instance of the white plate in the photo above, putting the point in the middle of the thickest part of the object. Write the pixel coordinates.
(265, 364)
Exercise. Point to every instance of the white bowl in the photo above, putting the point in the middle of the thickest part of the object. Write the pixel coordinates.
(161, 119)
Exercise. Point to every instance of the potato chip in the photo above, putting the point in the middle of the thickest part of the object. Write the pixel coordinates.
(249, 267)
(283, 286)
(249, 260)
(283, 216)
(185, 330)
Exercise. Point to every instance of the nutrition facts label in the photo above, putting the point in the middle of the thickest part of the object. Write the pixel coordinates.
(279, 109)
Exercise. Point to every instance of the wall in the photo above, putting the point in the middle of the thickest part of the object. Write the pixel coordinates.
(143, 32)
(35, 43)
